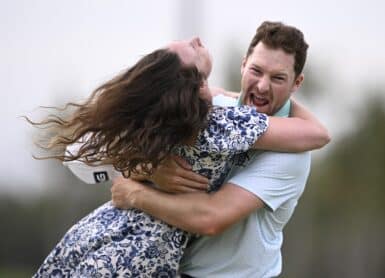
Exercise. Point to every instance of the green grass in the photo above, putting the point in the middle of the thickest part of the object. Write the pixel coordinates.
(8, 272)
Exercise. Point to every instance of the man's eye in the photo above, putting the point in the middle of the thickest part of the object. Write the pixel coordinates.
(279, 78)
(256, 71)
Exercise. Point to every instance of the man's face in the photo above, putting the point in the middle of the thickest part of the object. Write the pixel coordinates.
(268, 79)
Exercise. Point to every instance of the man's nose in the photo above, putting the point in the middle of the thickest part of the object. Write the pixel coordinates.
(263, 85)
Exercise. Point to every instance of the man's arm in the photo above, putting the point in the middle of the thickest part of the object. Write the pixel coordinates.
(202, 213)
(269, 180)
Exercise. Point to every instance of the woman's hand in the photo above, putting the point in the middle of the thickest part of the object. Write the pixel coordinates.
(174, 175)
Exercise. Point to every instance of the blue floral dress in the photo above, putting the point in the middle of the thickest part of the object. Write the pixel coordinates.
(111, 242)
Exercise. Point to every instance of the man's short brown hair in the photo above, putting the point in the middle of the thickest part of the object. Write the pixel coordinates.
(277, 35)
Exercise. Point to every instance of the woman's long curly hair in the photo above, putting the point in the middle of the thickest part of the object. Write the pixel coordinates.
(135, 120)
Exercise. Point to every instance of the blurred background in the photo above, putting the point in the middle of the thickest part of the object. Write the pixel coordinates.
(52, 52)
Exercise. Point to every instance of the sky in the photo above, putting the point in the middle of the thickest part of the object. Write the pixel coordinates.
(52, 52)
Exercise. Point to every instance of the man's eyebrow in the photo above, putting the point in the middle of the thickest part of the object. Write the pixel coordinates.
(281, 74)
(278, 72)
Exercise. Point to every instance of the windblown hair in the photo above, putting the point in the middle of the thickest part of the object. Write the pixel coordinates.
(137, 118)
(277, 35)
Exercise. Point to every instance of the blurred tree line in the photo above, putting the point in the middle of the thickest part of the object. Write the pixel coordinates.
(338, 227)
(30, 228)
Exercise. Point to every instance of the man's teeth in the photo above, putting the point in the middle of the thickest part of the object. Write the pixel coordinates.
(259, 98)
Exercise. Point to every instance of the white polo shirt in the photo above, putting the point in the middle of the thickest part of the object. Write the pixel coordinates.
(252, 247)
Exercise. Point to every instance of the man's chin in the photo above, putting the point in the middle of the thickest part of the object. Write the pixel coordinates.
(262, 108)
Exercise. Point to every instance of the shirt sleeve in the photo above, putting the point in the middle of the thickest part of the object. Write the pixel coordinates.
(274, 177)
(233, 129)
(221, 100)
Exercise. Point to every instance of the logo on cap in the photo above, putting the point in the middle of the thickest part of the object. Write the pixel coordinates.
(101, 176)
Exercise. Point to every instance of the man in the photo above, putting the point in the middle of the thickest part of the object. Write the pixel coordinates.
(243, 221)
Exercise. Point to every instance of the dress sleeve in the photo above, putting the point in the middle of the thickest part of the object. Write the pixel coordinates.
(233, 129)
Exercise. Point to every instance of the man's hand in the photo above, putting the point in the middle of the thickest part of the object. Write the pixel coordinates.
(175, 176)
(122, 192)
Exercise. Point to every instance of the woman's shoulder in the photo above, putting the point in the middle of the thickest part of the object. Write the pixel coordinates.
(231, 114)
(235, 109)
(232, 128)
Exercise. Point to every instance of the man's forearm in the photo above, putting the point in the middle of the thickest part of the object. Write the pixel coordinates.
(190, 212)
(202, 213)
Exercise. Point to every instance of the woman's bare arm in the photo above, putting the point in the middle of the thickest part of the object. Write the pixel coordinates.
(301, 132)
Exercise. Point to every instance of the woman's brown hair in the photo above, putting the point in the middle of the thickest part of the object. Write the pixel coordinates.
(135, 119)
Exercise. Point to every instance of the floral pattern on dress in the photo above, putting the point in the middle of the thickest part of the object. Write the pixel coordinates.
(111, 242)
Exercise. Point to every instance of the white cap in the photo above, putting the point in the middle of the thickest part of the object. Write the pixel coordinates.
(86, 173)
(92, 174)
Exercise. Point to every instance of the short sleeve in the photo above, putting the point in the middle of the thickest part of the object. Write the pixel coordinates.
(233, 129)
(274, 177)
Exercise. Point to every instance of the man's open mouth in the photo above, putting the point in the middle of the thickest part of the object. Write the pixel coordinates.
(258, 101)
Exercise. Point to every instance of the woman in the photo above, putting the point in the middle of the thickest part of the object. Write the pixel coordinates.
(158, 108)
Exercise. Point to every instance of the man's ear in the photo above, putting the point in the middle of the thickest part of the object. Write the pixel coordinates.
(298, 82)
(244, 60)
